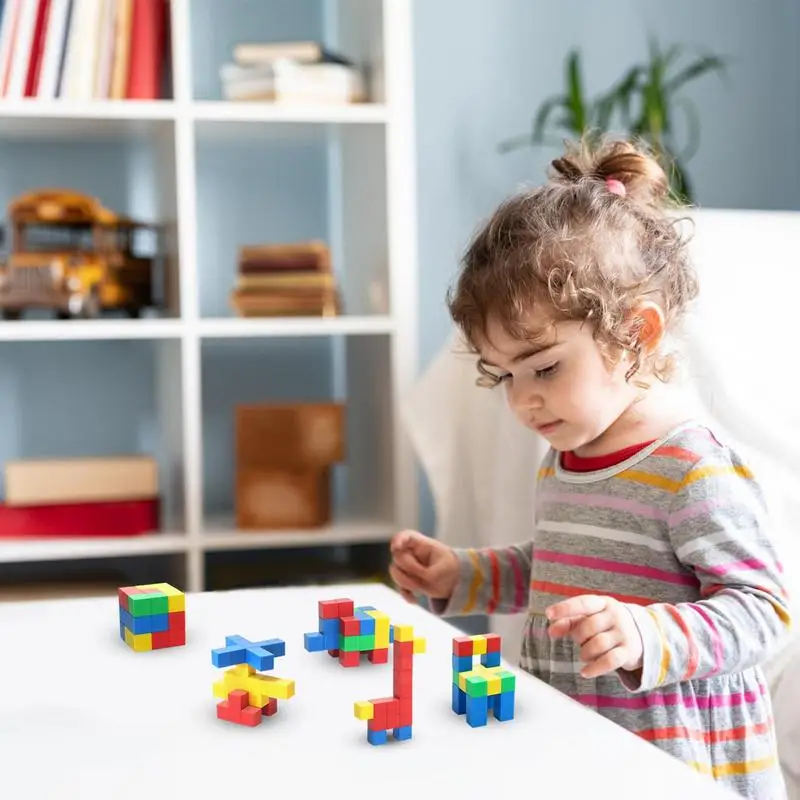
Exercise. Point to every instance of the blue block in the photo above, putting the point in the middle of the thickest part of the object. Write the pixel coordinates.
(314, 642)
(376, 737)
(477, 711)
(147, 624)
(462, 663)
(391, 634)
(402, 734)
(504, 706)
(238, 650)
(122, 632)
(364, 609)
(459, 700)
(491, 659)
(366, 625)
(329, 628)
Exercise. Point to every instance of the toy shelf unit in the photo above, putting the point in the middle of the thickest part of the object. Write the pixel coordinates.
(239, 147)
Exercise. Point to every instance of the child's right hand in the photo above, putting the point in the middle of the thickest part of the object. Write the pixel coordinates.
(422, 565)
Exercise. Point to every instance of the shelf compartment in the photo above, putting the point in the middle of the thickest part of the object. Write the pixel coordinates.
(272, 189)
(353, 370)
(95, 399)
(73, 548)
(81, 330)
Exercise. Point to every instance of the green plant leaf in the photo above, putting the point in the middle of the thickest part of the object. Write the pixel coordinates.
(696, 70)
(575, 99)
(543, 116)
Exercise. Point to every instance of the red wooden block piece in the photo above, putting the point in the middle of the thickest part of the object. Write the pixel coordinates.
(346, 608)
(328, 609)
(349, 658)
(334, 653)
(271, 707)
(176, 621)
(250, 716)
(350, 626)
(178, 638)
(378, 656)
(236, 709)
(382, 709)
(161, 639)
(463, 646)
(404, 649)
(492, 642)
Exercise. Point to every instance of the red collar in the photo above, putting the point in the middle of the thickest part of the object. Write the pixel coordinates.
(575, 463)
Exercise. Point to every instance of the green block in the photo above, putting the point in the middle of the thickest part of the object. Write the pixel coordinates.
(146, 605)
(367, 641)
(349, 643)
(507, 681)
(477, 686)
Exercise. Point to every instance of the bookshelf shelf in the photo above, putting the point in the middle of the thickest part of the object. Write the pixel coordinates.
(220, 175)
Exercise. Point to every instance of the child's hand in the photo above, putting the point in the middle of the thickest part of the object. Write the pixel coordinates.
(604, 629)
(424, 565)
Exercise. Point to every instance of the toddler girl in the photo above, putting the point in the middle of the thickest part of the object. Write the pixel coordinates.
(652, 588)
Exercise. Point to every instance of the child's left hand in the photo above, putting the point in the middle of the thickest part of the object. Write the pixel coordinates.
(603, 628)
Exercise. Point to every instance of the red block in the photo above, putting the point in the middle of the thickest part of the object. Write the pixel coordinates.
(492, 642)
(383, 708)
(350, 626)
(162, 639)
(404, 715)
(236, 709)
(349, 658)
(463, 646)
(404, 649)
(346, 608)
(378, 656)
(328, 609)
(178, 638)
(177, 621)
(271, 707)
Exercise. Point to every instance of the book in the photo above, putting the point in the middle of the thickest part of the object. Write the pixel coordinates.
(307, 52)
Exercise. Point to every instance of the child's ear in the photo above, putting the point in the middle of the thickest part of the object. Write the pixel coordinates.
(648, 318)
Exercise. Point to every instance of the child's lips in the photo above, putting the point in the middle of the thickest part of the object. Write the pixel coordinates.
(547, 427)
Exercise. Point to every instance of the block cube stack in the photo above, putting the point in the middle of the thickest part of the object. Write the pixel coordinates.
(152, 616)
(346, 632)
(478, 689)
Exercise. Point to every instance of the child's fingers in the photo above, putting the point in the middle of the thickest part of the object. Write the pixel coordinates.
(597, 646)
(579, 606)
(563, 627)
(585, 628)
(409, 563)
(609, 662)
(403, 580)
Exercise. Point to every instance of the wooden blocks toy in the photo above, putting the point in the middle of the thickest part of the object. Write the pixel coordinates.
(247, 695)
(478, 689)
(346, 632)
(152, 616)
(394, 713)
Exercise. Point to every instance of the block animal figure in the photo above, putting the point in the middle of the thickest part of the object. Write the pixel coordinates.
(346, 632)
(487, 686)
(247, 695)
(394, 713)
(152, 616)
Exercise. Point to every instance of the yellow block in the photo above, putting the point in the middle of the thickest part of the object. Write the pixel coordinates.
(381, 629)
(364, 710)
(260, 688)
(176, 598)
(479, 645)
(491, 674)
(403, 633)
(419, 646)
(140, 642)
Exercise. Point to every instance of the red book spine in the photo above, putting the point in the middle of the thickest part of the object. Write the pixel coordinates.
(37, 48)
(148, 27)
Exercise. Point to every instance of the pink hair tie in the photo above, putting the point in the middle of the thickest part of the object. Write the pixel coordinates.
(615, 187)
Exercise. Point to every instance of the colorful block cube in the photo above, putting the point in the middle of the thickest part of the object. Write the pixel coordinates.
(152, 616)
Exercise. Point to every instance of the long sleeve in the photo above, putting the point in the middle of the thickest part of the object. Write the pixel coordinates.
(719, 532)
(492, 580)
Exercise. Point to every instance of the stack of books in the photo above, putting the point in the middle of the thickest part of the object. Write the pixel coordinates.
(291, 279)
(291, 72)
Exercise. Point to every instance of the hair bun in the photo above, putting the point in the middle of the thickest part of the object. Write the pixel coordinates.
(640, 173)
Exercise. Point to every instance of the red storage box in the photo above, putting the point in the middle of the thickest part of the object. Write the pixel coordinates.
(120, 518)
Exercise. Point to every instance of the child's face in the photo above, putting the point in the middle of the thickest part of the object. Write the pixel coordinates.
(560, 386)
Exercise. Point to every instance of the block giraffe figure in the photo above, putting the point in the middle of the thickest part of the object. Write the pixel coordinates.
(479, 689)
(394, 713)
(346, 632)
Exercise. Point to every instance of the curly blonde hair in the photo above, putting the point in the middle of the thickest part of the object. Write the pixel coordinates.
(585, 252)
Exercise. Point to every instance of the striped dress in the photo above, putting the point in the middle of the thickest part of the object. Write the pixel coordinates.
(678, 532)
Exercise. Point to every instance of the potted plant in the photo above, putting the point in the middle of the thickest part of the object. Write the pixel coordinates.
(646, 101)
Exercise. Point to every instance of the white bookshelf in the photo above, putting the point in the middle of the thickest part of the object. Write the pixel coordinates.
(221, 174)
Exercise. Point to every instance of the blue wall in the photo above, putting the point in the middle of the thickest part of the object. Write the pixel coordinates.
(481, 83)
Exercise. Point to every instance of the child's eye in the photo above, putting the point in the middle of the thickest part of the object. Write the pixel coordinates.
(547, 372)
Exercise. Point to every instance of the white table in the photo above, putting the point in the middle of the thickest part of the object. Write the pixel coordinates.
(82, 717)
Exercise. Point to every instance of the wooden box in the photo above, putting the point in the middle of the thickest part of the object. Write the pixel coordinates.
(268, 499)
